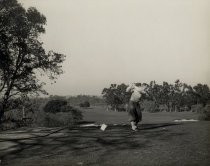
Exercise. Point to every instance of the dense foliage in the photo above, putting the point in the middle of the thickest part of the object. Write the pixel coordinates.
(174, 97)
(116, 95)
(93, 100)
(22, 56)
(54, 106)
(58, 113)
(85, 104)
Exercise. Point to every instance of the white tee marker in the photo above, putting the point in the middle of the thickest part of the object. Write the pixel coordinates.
(103, 127)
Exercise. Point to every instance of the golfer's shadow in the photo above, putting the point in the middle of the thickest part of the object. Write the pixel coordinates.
(155, 126)
(146, 126)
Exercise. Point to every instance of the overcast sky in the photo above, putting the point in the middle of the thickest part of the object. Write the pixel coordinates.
(125, 41)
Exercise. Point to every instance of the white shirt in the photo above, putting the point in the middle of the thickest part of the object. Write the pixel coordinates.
(136, 92)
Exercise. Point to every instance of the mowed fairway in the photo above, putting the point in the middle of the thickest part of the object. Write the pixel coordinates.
(160, 141)
(100, 115)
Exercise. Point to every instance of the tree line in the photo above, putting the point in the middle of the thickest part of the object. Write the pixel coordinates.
(175, 97)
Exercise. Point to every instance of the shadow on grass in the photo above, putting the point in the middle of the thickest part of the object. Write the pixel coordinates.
(155, 126)
(85, 122)
(81, 141)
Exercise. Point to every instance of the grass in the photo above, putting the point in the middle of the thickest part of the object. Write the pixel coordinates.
(158, 142)
(100, 115)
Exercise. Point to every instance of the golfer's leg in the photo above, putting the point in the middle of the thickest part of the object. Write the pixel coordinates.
(133, 125)
(131, 112)
(139, 114)
(132, 116)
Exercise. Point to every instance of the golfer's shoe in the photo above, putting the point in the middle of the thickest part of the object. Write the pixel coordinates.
(134, 128)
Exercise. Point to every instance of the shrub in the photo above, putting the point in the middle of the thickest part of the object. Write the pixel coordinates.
(121, 108)
(13, 115)
(197, 108)
(7, 125)
(76, 114)
(205, 114)
(54, 106)
(66, 117)
(85, 104)
(149, 106)
(58, 119)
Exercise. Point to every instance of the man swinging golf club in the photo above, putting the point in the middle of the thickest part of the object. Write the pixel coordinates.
(134, 111)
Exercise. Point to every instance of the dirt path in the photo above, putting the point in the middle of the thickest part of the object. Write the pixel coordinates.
(154, 144)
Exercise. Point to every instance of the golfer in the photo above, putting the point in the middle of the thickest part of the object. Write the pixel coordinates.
(134, 111)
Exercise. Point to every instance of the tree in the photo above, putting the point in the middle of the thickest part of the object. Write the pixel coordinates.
(154, 93)
(116, 95)
(189, 97)
(167, 94)
(176, 96)
(22, 55)
(202, 93)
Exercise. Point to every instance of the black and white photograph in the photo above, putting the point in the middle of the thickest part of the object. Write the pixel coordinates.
(104, 82)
